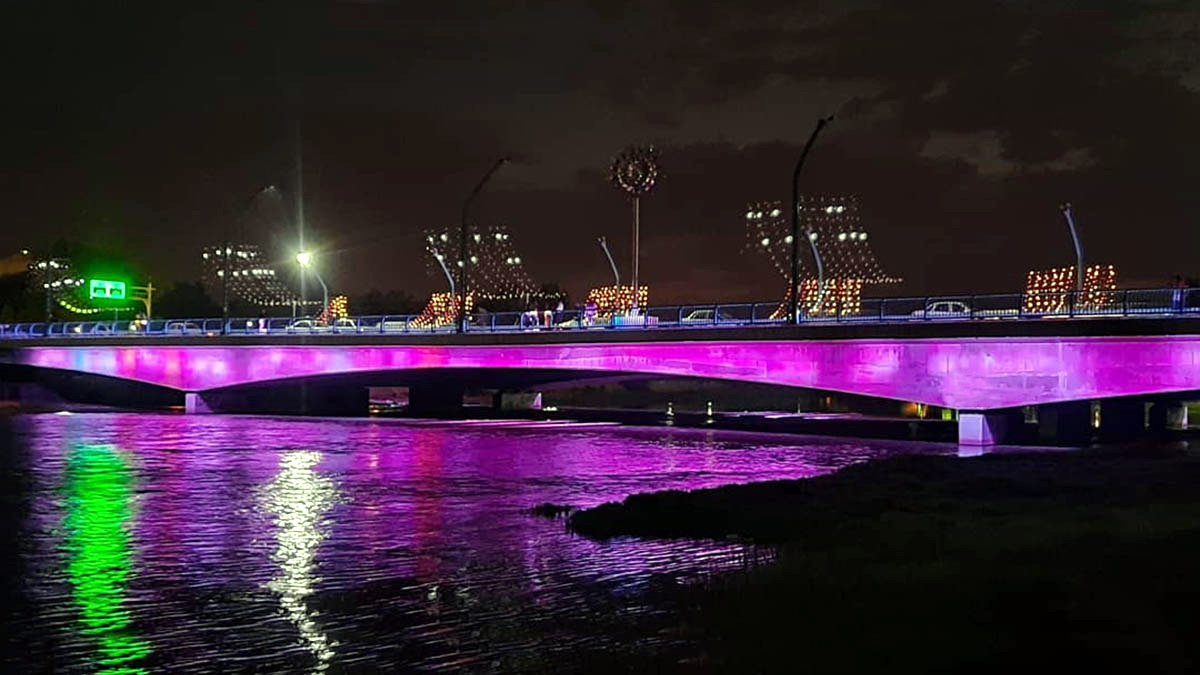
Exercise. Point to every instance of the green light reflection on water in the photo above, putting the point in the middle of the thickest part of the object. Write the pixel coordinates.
(98, 520)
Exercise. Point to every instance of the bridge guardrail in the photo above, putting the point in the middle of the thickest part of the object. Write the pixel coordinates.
(1166, 302)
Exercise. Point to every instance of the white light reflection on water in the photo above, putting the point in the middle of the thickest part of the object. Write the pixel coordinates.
(299, 498)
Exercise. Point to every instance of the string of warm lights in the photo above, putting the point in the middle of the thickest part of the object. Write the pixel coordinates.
(66, 304)
(610, 300)
(339, 308)
(441, 310)
(1048, 290)
(842, 297)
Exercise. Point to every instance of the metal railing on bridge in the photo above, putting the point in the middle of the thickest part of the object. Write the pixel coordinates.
(1169, 302)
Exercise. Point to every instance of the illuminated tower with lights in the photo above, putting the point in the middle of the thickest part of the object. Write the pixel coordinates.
(842, 239)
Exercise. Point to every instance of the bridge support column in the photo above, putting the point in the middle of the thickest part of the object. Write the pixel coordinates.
(984, 428)
(1168, 416)
(1069, 423)
(194, 403)
(1122, 419)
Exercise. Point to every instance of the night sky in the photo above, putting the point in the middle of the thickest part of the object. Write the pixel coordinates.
(961, 126)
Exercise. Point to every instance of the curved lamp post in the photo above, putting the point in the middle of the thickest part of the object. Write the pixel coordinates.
(305, 259)
(794, 305)
(613, 265)
(1066, 210)
(464, 259)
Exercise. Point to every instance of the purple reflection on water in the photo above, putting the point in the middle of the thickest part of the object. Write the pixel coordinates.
(293, 545)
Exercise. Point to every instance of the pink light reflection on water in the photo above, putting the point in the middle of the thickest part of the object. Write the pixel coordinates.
(419, 546)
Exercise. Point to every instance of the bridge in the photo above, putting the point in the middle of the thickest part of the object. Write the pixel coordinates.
(988, 367)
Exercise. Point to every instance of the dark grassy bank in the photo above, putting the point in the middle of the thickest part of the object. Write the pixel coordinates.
(1031, 562)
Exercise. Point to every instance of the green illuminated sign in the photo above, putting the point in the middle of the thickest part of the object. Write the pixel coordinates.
(107, 290)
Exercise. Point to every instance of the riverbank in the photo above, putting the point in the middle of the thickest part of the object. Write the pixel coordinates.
(1062, 560)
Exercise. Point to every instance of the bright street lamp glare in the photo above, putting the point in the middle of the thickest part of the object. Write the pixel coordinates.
(304, 258)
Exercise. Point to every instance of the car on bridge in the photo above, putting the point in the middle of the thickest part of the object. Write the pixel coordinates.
(190, 328)
(956, 309)
(342, 325)
(703, 316)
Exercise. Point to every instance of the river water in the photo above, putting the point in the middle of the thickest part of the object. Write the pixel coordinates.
(138, 543)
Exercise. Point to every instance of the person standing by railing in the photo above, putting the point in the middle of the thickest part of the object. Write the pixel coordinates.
(1178, 286)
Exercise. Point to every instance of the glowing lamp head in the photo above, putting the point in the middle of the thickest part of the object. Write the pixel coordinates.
(304, 258)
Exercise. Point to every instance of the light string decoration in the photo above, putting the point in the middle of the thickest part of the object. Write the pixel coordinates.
(442, 310)
(1049, 290)
(59, 283)
(610, 300)
(251, 277)
(339, 308)
(496, 272)
(849, 259)
(635, 171)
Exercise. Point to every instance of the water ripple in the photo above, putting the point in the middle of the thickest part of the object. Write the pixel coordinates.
(209, 544)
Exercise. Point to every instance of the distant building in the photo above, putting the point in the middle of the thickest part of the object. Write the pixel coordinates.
(842, 239)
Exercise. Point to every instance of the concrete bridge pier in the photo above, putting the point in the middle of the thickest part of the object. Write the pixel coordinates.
(1168, 416)
(987, 427)
(194, 403)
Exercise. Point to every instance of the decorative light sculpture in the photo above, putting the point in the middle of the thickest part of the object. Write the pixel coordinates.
(849, 261)
(610, 300)
(1048, 291)
(251, 277)
(635, 171)
(442, 310)
(495, 270)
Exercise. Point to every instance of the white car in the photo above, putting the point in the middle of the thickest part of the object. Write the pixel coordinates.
(313, 326)
(944, 308)
(706, 316)
(183, 327)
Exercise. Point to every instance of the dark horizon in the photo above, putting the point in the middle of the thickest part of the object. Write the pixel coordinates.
(960, 131)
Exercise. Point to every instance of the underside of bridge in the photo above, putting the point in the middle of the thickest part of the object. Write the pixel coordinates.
(1125, 379)
(440, 392)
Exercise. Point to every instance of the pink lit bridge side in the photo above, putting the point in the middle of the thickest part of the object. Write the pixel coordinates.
(965, 373)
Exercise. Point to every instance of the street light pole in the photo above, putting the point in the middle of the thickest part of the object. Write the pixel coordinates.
(464, 260)
(616, 275)
(1066, 210)
(794, 305)
(305, 260)
(637, 226)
